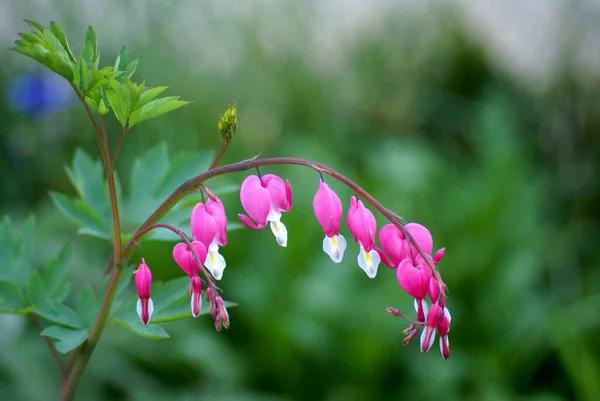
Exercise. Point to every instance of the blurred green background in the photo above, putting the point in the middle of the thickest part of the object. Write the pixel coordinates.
(476, 119)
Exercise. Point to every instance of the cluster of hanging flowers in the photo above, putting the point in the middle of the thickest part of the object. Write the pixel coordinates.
(264, 199)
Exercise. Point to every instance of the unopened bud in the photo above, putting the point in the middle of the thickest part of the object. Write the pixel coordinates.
(228, 123)
(223, 315)
(394, 312)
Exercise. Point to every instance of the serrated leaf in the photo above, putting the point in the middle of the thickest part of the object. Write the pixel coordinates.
(62, 38)
(82, 214)
(55, 270)
(155, 108)
(152, 331)
(11, 299)
(60, 314)
(87, 176)
(67, 339)
(87, 307)
(36, 290)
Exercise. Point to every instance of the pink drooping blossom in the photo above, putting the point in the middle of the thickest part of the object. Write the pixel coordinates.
(438, 319)
(264, 199)
(413, 277)
(443, 327)
(328, 210)
(185, 258)
(143, 282)
(397, 247)
(363, 226)
(209, 226)
(196, 296)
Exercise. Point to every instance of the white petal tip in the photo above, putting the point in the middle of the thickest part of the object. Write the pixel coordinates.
(334, 247)
(369, 262)
(280, 232)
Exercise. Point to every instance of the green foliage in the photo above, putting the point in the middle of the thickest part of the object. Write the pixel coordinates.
(102, 89)
(66, 339)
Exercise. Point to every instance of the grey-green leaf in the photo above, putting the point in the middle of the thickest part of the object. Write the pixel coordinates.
(152, 331)
(67, 339)
(87, 305)
(11, 299)
(83, 214)
(60, 314)
(36, 290)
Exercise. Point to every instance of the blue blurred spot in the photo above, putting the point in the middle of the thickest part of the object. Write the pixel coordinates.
(39, 94)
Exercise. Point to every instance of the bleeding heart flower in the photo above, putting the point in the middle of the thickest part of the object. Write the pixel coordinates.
(328, 210)
(414, 278)
(143, 282)
(398, 248)
(209, 226)
(363, 226)
(264, 200)
(185, 258)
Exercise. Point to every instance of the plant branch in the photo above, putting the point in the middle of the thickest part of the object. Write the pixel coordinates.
(123, 133)
(51, 346)
(187, 242)
(190, 185)
(85, 350)
(224, 146)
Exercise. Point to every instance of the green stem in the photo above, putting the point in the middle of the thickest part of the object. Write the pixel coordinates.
(85, 350)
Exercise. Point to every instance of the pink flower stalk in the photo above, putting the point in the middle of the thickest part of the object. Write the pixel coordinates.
(363, 226)
(196, 296)
(185, 258)
(328, 210)
(414, 278)
(143, 281)
(209, 226)
(398, 248)
(264, 199)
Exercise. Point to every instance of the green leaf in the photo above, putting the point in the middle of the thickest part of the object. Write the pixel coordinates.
(122, 59)
(87, 307)
(30, 37)
(55, 270)
(60, 314)
(57, 61)
(90, 37)
(156, 108)
(36, 290)
(118, 99)
(11, 299)
(37, 27)
(60, 35)
(181, 169)
(87, 54)
(85, 74)
(17, 252)
(152, 331)
(149, 94)
(130, 69)
(87, 176)
(67, 339)
(62, 292)
(83, 214)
